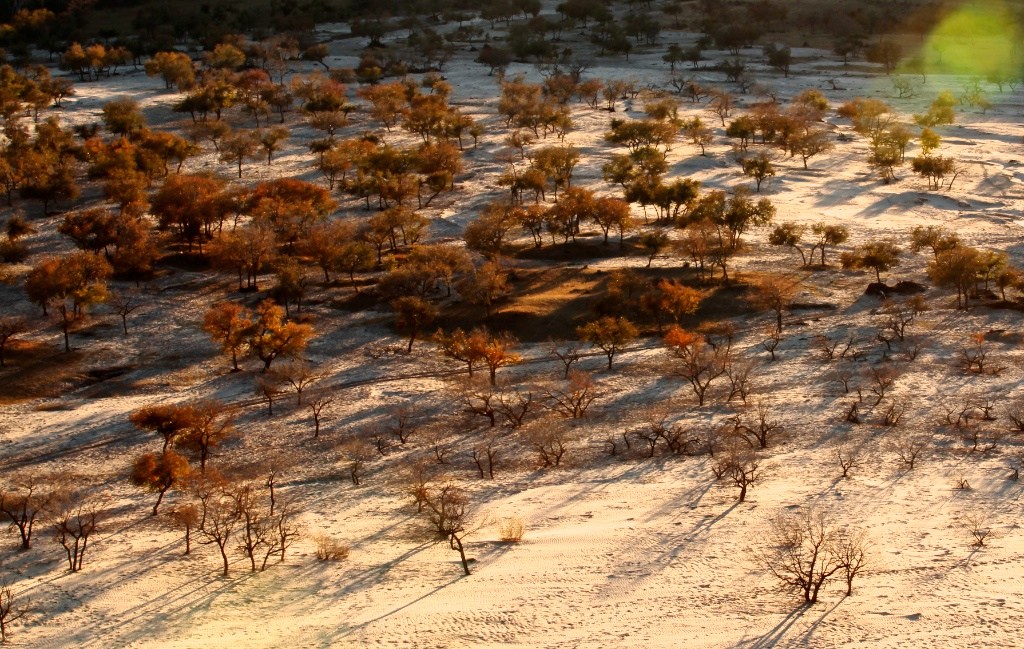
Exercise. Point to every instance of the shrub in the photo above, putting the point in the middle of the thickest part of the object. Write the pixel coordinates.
(510, 530)
(329, 548)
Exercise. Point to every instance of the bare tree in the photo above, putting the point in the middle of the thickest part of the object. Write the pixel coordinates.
(27, 499)
(979, 529)
(574, 397)
(10, 609)
(909, 447)
(805, 553)
(550, 441)
(220, 520)
(72, 528)
(124, 303)
(449, 512)
(568, 354)
(317, 406)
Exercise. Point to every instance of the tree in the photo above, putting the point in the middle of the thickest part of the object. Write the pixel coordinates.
(493, 350)
(69, 284)
(210, 423)
(879, 256)
(806, 551)
(413, 314)
(159, 473)
(773, 293)
(73, 526)
(449, 512)
(959, 268)
(609, 334)
(191, 206)
(220, 516)
(10, 611)
(270, 336)
(828, 235)
(940, 112)
(933, 168)
(758, 167)
(886, 52)
(790, 235)
(25, 500)
(123, 117)
(700, 363)
(461, 346)
(175, 68)
(272, 139)
(228, 324)
(936, 237)
(239, 147)
(10, 326)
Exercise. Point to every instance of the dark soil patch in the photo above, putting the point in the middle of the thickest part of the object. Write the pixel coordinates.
(35, 371)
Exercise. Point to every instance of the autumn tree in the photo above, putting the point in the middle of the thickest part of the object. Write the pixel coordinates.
(270, 336)
(772, 293)
(175, 68)
(68, 284)
(958, 267)
(878, 256)
(238, 147)
(159, 473)
(412, 315)
(191, 206)
(700, 363)
(608, 334)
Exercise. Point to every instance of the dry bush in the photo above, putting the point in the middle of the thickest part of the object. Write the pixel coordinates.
(329, 548)
(511, 529)
(979, 529)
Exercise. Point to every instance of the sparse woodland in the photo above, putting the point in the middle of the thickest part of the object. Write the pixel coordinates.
(324, 323)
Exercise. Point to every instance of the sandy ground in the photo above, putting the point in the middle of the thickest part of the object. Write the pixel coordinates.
(618, 552)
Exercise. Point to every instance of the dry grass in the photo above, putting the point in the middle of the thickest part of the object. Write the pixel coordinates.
(329, 548)
(511, 529)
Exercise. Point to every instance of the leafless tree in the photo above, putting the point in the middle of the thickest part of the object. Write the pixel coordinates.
(738, 373)
(11, 609)
(10, 326)
(573, 398)
(568, 354)
(909, 447)
(805, 552)
(550, 440)
(186, 517)
(449, 513)
(268, 386)
(515, 405)
(849, 457)
(882, 378)
(73, 526)
(27, 499)
(978, 527)
(124, 303)
(317, 407)
(771, 341)
(221, 517)
(485, 454)
(892, 415)
(298, 374)
(404, 421)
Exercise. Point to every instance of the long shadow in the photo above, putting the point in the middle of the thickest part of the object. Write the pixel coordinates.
(773, 637)
(347, 631)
